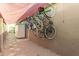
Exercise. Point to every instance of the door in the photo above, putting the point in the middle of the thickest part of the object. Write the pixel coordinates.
(20, 31)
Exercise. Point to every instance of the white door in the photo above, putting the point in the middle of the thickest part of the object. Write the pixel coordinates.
(20, 31)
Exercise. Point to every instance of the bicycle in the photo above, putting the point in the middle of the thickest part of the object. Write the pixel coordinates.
(48, 31)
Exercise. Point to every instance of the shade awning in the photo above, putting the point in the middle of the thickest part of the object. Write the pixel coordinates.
(11, 12)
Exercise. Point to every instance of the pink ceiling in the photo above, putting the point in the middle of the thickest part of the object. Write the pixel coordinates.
(12, 12)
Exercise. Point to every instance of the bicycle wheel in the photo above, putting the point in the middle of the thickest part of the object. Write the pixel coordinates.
(39, 23)
(45, 21)
(40, 33)
(50, 32)
(35, 32)
(50, 11)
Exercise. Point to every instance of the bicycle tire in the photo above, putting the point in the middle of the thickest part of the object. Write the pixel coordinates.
(39, 23)
(50, 11)
(52, 33)
(40, 34)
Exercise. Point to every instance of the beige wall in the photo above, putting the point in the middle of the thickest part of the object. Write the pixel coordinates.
(66, 22)
(1, 33)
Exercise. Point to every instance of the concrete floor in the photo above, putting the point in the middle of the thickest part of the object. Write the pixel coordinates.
(24, 47)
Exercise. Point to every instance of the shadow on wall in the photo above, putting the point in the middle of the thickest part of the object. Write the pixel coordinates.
(66, 22)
